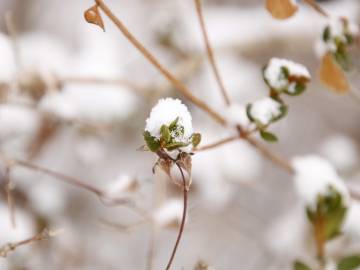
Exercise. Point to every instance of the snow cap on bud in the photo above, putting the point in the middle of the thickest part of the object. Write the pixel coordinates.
(264, 111)
(170, 126)
(314, 177)
(286, 76)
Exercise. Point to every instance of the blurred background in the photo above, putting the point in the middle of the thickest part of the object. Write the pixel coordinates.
(75, 99)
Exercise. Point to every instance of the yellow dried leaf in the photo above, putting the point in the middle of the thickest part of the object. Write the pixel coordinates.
(92, 15)
(332, 75)
(281, 9)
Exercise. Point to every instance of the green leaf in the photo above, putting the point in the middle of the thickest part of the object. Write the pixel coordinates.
(283, 113)
(267, 136)
(299, 89)
(301, 266)
(175, 145)
(196, 139)
(349, 263)
(165, 133)
(173, 124)
(152, 142)
(248, 112)
(326, 33)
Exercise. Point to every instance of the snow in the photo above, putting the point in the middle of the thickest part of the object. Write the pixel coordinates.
(16, 121)
(236, 115)
(274, 75)
(90, 103)
(25, 226)
(313, 176)
(7, 63)
(338, 30)
(122, 184)
(352, 221)
(341, 151)
(166, 111)
(169, 213)
(264, 110)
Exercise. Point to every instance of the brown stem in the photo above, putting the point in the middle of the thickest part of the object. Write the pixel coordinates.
(69, 180)
(316, 7)
(166, 73)
(319, 228)
(217, 143)
(275, 158)
(9, 197)
(182, 225)
(210, 53)
(45, 234)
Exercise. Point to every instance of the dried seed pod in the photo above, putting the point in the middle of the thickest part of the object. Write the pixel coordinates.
(281, 9)
(332, 75)
(92, 15)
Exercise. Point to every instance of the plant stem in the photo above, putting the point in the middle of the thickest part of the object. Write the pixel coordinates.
(182, 225)
(165, 72)
(217, 143)
(210, 53)
(316, 7)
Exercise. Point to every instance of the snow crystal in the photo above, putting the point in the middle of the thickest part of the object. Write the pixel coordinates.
(274, 74)
(265, 110)
(166, 111)
(168, 214)
(341, 151)
(313, 176)
(236, 115)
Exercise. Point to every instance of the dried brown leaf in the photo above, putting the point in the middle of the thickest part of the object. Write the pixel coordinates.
(331, 75)
(281, 9)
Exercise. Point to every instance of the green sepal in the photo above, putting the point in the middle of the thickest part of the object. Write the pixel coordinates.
(268, 136)
(196, 139)
(152, 142)
(300, 266)
(349, 263)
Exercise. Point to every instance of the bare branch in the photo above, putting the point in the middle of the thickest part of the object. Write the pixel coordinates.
(44, 235)
(165, 72)
(210, 53)
(217, 143)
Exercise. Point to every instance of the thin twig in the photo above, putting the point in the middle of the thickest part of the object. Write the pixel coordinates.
(275, 158)
(151, 249)
(44, 235)
(217, 143)
(182, 225)
(210, 53)
(9, 196)
(182, 88)
(67, 179)
(317, 7)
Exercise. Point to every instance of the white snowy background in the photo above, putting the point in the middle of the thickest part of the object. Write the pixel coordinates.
(245, 213)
